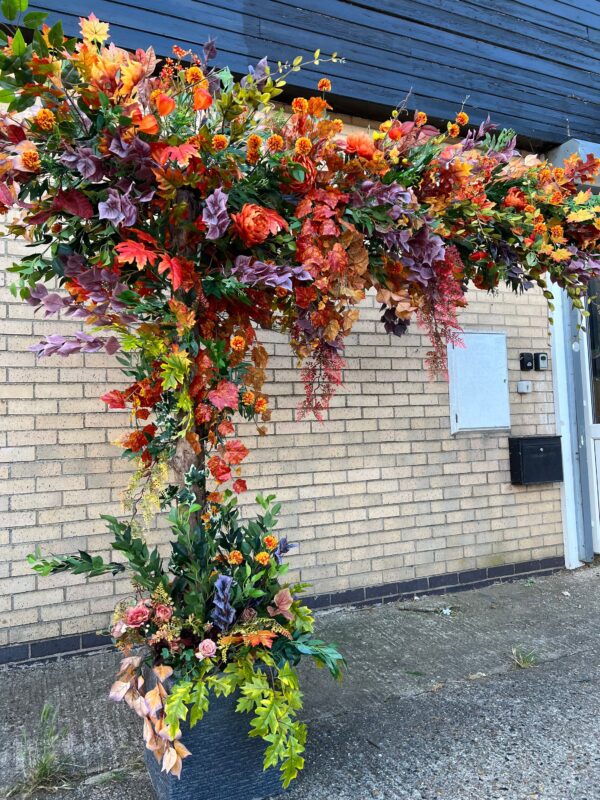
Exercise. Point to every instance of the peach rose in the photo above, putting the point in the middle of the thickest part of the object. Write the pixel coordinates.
(255, 223)
(162, 613)
(136, 616)
(206, 649)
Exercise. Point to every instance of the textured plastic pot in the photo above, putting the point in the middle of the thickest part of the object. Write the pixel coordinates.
(226, 764)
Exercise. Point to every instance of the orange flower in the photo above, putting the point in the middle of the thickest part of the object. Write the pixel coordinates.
(248, 398)
(453, 130)
(164, 104)
(300, 105)
(337, 125)
(255, 223)
(420, 119)
(202, 99)
(360, 144)
(271, 542)
(254, 142)
(515, 198)
(238, 343)
(274, 143)
(45, 119)
(28, 158)
(261, 405)
(303, 146)
(194, 75)
(317, 106)
(263, 558)
(324, 85)
(219, 142)
(556, 232)
(462, 118)
(235, 557)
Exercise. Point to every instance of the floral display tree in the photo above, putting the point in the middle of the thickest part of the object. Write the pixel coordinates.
(176, 213)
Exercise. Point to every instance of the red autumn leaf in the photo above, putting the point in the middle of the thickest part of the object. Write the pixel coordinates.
(225, 395)
(73, 202)
(219, 469)
(239, 486)
(226, 428)
(114, 399)
(130, 252)
(181, 154)
(235, 452)
(179, 271)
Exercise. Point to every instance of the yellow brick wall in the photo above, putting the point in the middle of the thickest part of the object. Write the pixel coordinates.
(379, 492)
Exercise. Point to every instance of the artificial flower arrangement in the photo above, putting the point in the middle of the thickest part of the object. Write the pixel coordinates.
(177, 212)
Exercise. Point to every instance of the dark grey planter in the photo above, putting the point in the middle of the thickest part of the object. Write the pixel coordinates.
(226, 764)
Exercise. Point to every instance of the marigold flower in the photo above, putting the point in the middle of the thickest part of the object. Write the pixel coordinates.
(263, 558)
(235, 557)
(324, 85)
(337, 125)
(271, 542)
(248, 398)
(194, 75)
(300, 105)
(556, 232)
(238, 343)
(254, 142)
(219, 142)
(303, 146)
(556, 198)
(28, 159)
(462, 118)
(252, 157)
(420, 119)
(45, 119)
(275, 143)
(453, 130)
(261, 405)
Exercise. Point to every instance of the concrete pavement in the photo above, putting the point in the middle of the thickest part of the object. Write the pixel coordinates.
(432, 707)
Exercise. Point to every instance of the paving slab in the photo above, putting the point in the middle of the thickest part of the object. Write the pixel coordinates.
(432, 707)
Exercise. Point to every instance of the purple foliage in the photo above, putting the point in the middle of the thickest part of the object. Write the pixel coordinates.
(118, 209)
(252, 272)
(85, 161)
(209, 49)
(80, 343)
(223, 614)
(258, 73)
(282, 549)
(51, 302)
(215, 214)
(392, 323)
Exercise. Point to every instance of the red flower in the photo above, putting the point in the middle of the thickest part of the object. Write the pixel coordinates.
(226, 428)
(164, 104)
(360, 144)
(235, 452)
(255, 223)
(239, 486)
(515, 199)
(114, 399)
(162, 613)
(225, 395)
(219, 469)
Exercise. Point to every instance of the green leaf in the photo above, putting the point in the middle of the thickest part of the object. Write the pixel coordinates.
(56, 35)
(6, 96)
(10, 9)
(34, 19)
(18, 44)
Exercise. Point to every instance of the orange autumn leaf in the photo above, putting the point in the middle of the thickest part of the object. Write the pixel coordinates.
(130, 252)
(262, 638)
(92, 30)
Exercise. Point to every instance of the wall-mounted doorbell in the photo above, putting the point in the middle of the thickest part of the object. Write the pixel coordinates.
(540, 361)
(526, 361)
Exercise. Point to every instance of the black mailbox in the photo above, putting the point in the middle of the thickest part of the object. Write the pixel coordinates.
(535, 459)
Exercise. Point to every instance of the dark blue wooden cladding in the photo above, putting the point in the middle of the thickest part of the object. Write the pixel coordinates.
(532, 64)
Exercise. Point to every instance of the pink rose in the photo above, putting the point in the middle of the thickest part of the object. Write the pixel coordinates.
(162, 613)
(136, 616)
(206, 649)
(118, 629)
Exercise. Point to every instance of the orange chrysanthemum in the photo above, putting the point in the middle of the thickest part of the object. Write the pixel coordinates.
(30, 160)
(45, 119)
(248, 398)
(453, 130)
(303, 146)
(300, 105)
(317, 106)
(324, 85)
(271, 542)
(420, 119)
(263, 558)
(255, 223)
(462, 118)
(235, 557)
(238, 343)
(261, 405)
(219, 142)
(275, 143)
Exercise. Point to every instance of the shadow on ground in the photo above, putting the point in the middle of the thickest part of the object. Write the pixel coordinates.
(432, 707)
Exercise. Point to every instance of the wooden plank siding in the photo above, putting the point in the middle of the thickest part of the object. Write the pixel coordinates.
(532, 64)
